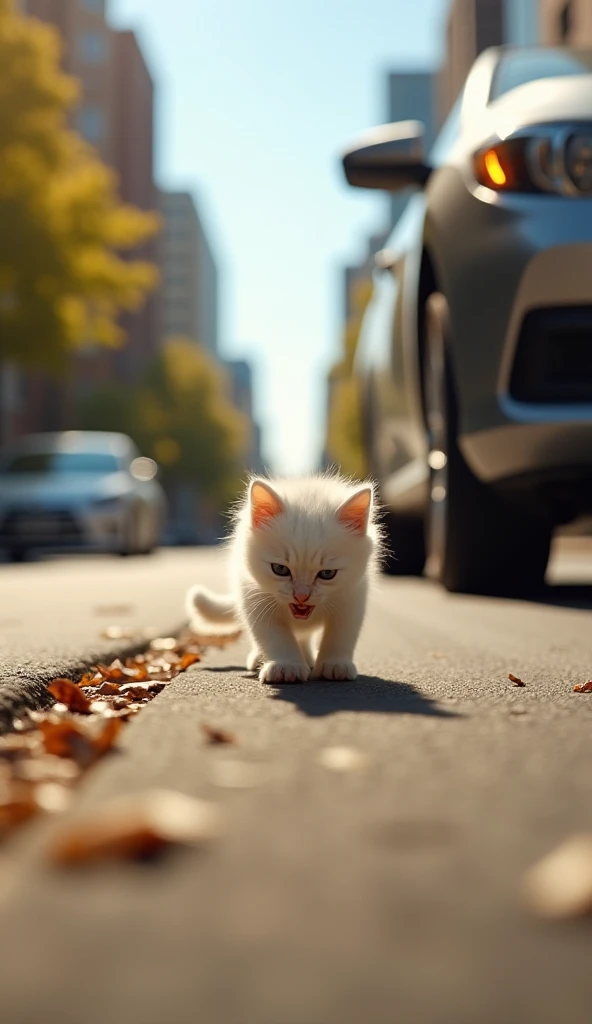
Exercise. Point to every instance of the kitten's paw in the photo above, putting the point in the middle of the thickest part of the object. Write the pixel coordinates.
(254, 660)
(335, 668)
(284, 672)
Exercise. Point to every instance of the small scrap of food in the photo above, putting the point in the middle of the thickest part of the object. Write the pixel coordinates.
(516, 679)
(214, 735)
(560, 885)
(137, 827)
(583, 687)
(342, 759)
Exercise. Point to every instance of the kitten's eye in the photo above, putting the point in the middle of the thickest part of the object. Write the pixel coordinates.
(280, 570)
(327, 574)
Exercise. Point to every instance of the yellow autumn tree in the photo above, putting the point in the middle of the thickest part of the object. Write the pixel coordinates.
(344, 442)
(63, 278)
(181, 416)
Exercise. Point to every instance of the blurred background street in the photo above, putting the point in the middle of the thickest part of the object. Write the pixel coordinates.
(249, 237)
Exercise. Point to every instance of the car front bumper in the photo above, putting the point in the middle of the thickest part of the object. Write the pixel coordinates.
(500, 258)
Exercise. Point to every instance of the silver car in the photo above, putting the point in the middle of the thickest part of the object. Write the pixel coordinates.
(475, 355)
(81, 490)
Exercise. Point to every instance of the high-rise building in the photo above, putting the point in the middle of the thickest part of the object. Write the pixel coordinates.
(411, 98)
(472, 26)
(522, 23)
(115, 114)
(566, 21)
(190, 277)
(240, 374)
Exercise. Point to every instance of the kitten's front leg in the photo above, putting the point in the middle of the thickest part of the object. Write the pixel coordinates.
(278, 649)
(335, 659)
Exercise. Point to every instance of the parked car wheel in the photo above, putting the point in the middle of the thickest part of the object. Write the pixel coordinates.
(405, 552)
(477, 542)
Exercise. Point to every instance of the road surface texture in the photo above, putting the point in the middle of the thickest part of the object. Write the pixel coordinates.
(386, 894)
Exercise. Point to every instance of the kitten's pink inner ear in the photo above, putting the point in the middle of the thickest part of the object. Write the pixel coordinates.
(265, 504)
(354, 513)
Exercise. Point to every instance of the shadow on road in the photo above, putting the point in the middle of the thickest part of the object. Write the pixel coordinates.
(563, 595)
(368, 694)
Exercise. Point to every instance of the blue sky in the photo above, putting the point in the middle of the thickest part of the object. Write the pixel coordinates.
(256, 99)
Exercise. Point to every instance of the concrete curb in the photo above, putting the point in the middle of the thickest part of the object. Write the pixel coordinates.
(25, 687)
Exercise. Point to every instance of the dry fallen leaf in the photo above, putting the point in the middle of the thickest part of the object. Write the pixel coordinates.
(139, 690)
(583, 687)
(68, 693)
(215, 735)
(515, 679)
(138, 826)
(342, 759)
(560, 885)
(65, 739)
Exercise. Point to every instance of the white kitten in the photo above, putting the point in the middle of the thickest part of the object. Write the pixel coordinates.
(302, 552)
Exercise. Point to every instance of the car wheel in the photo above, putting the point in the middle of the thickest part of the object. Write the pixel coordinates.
(17, 555)
(476, 541)
(405, 546)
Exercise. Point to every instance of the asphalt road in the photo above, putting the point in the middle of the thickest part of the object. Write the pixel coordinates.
(386, 894)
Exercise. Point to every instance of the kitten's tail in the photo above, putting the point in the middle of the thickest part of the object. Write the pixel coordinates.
(219, 609)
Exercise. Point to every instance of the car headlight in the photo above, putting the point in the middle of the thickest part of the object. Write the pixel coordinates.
(546, 159)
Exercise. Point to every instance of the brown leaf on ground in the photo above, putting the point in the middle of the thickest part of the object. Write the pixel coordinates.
(583, 687)
(65, 739)
(215, 735)
(112, 673)
(188, 659)
(136, 827)
(108, 689)
(68, 693)
(560, 885)
(515, 679)
(108, 734)
(139, 690)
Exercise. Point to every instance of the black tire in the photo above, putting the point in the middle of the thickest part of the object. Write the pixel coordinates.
(476, 540)
(17, 555)
(405, 546)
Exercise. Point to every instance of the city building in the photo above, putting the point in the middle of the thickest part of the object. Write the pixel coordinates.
(189, 293)
(115, 114)
(240, 374)
(472, 26)
(566, 22)
(522, 23)
(410, 98)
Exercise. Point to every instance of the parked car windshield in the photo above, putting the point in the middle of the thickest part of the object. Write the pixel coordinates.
(52, 463)
(522, 66)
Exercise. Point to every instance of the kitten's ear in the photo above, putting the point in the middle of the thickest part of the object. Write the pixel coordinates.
(264, 503)
(355, 512)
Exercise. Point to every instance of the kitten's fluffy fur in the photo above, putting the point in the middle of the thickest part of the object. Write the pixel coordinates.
(300, 625)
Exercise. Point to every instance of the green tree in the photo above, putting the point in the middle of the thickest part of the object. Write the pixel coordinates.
(63, 278)
(182, 417)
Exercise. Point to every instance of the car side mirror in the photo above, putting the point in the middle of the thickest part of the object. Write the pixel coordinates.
(390, 157)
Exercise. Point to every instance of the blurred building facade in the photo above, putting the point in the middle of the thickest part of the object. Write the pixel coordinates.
(240, 374)
(116, 116)
(189, 292)
(410, 97)
(566, 21)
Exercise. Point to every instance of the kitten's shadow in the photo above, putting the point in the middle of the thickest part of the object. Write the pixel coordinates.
(366, 693)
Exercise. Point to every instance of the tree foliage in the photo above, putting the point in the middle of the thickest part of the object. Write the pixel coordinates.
(344, 442)
(63, 279)
(181, 416)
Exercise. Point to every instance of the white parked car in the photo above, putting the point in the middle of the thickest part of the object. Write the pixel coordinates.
(79, 490)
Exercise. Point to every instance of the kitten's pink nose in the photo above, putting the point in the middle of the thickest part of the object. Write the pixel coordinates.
(301, 594)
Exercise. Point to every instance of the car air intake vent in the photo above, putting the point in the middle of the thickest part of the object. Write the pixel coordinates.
(553, 361)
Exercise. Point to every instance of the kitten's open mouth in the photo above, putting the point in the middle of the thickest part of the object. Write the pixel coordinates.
(300, 611)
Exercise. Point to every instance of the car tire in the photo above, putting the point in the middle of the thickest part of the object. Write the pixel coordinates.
(477, 542)
(17, 555)
(405, 552)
